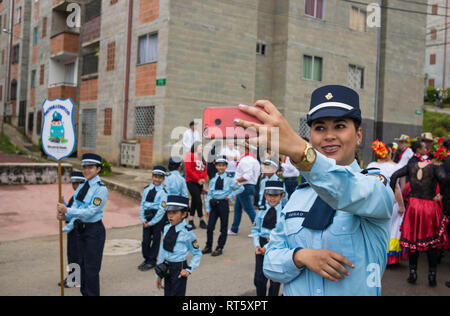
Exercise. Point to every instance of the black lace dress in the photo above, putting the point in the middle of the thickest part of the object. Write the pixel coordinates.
(424, 223)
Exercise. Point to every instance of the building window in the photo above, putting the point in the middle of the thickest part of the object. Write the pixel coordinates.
(35, 36)
(431, 83)
(18, 15)
(14, 89)
(30, 122)
(148, 49)
(303, 128)
(15, 54)
(90, 64)
(432, 59)
(260, 48)
(69, 74)
(39, 123)
(314, 8)
(89, 128)
(93, 10)
(355, 77)
(33, 79)
(312, 68)
(144, 118)
(358, 19)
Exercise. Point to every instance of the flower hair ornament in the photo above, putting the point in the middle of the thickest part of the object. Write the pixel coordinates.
(380, 149)
(440, 151)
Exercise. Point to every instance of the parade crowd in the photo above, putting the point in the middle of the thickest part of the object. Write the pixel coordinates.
(319, 219)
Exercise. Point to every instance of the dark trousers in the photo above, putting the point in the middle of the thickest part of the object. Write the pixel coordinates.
(174, 286)
(261, 280)
(72, 247)
(221, 211)
(195, 190)
(91, 243)
(151, 240)
(433, 258)
(291, 185)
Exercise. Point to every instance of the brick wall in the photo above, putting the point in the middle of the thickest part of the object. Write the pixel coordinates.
(32, 97)
(34, 54)
(148, 11)
(67, 42)
(146, 80)
(146, 157)
(89, 90)
(62, 92)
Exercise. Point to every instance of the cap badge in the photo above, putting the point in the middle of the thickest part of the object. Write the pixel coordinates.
(329, 96)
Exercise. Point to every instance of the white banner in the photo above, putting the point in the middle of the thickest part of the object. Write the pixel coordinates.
(58, 130)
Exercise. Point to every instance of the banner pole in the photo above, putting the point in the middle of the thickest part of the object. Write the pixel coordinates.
(61, 258)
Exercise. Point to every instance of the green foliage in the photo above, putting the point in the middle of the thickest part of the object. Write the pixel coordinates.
(106, 168)
(430, 94)
(436, 123)
(7, 148)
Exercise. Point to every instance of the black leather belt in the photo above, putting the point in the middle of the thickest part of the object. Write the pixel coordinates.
(81, 227)
(177, 266)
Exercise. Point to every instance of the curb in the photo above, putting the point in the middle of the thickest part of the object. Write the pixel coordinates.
(121, 188)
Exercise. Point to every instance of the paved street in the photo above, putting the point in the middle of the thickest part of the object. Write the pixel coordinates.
(29, 260)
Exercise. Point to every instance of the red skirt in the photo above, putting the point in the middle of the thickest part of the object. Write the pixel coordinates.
(423, 226)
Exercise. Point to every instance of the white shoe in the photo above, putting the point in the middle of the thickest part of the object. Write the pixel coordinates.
(231, 233)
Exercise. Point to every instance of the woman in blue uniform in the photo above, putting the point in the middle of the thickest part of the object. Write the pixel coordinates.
(333, 234)
(87, 213)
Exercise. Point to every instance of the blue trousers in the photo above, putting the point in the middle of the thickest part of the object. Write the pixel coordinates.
(91, 243)
(244, 201)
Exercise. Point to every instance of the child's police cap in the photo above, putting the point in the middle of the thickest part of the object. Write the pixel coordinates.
(271, 161)
(56, 116)
(176, 203)
(160, 170)
(175, 161)
(91, 159)
(274, 187)
(221, 159)
(334, 101)
(76, 177)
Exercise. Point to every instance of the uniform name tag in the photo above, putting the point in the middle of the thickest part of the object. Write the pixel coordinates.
(295, 214)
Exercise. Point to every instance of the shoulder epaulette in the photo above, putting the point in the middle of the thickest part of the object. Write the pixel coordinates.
(189, 227)
(100, 183)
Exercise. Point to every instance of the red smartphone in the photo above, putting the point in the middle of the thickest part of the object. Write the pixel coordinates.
(218, 123)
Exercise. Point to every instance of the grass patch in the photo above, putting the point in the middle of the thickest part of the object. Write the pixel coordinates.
(436, 123)
(7, 148)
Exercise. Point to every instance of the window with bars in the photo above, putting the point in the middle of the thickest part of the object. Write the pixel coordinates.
(355, 77)
(89, 128)
(303, 128)
(144, 121)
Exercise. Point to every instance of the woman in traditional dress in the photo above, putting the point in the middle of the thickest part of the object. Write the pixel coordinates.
(424, 223)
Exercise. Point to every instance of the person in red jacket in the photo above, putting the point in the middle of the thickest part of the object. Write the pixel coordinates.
(196, 176)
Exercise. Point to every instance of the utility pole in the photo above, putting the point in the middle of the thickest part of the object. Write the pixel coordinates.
(8, 82)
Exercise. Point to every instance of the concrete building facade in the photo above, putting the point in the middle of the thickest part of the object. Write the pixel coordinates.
(142, 70)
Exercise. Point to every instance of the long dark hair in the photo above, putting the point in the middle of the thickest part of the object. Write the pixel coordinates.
(194, 148)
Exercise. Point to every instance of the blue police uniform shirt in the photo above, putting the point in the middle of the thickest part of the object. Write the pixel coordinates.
(186, 242)
(90, 210)
(262, 186)
(258, 230)
(157, 204)
(176, 184)
(231, 188)
(359, 231)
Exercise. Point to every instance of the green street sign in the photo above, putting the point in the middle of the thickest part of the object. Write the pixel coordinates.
(161, 82)
(419, 112)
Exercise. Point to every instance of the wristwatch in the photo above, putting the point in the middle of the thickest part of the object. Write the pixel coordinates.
(309, 157)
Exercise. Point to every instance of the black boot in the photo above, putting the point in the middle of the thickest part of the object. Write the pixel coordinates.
(203, 225)
(192, 224)
(412, 275)
(217, 252)
(432, 278)
(206, 250)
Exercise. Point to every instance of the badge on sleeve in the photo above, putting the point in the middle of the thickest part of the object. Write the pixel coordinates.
(163, 204)
(379, 177)
(195, 244)
(97, 201)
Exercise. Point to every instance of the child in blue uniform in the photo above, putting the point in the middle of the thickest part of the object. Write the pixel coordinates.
(265, 222)
(179, 241)
(269, 170)
(86, 214)
(153, 217)
(174, 182)
(221, 190)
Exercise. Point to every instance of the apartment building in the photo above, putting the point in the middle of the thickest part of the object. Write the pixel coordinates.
(137, 70)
